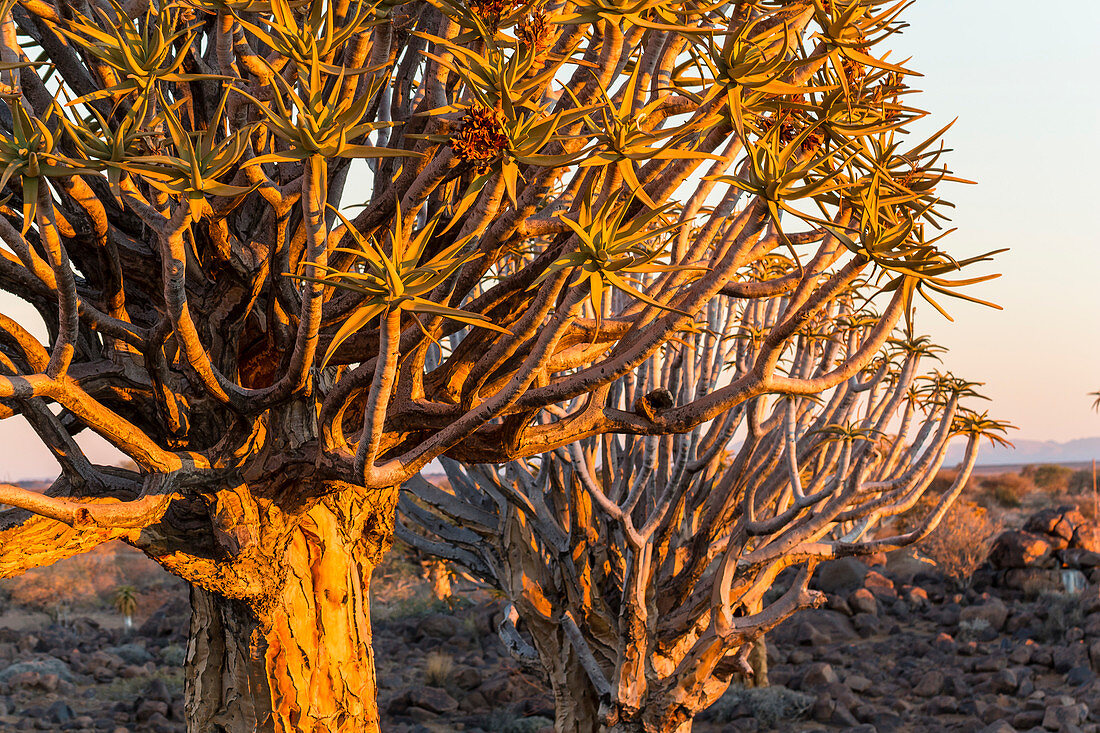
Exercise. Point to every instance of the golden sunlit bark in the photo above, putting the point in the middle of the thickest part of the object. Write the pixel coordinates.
(289, 253)
(301, 659)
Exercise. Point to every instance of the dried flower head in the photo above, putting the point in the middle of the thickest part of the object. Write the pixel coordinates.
(491, 10)
(480, 139)
(533, 31)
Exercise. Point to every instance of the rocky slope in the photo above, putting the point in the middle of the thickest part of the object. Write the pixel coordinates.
(895, 648)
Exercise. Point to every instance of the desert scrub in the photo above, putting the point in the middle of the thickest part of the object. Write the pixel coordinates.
(1059, 612)
(438, 668)
(975, 629)
(1049, 477)
(768, 706)
(961, 542)
(1007, 489)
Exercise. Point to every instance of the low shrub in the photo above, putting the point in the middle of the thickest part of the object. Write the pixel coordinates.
(438, 668)
(1080, 482)
(767, 705)
(962, 540)
(1049, 477)
(1008, 489)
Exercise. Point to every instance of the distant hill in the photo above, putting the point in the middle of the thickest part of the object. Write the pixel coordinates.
(1081, 450)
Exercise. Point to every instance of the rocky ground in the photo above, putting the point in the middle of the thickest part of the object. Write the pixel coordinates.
(897, 647)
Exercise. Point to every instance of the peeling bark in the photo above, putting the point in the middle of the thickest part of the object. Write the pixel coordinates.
(37, 541)
(302, 659)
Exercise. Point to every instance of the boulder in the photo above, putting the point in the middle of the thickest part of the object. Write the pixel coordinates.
(881, 586)
(1017, 549)
(993, 612)
(1079, 558)
(819, 674)
(818, 627)
(432, 699)
(862, 600)
(839, 576)
(130, 653)
(1061, 522)
(929, 684)
(171, 620)
(905, 565)
(1067, 656)
(1064, 717)
(439, 626)
(42, 666)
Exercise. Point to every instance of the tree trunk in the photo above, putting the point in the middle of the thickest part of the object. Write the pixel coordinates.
(301, 660)
(576, 702)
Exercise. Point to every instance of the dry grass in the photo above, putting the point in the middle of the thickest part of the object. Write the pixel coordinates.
(88, 581)
(962, 540)
(438, 668)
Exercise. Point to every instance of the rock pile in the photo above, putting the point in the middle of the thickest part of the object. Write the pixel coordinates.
(1052, 541)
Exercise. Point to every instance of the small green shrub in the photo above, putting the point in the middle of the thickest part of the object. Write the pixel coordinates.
(1081, 482)
(1049, 477)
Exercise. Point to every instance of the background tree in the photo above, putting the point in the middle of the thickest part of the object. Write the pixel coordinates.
(125, 602)
(642, 569)
(548, 196)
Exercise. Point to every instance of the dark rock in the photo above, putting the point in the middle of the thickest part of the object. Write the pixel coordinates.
(862, 600)
(1005, 682)
(867, 625)
(839, 576)
(1061, 522)
(1021, 654)
(1080, 676)
(904, 566)
(943, 705)
(818, 675)
(130, 653)
(885, 721)
(881, 586)
(42, 666)
(1066, 657)
(60, 712)
(990, 664)
(1079, 558)
(439, 626)
(929, 684)
(466, 678)
(1028, 719)
(915, 596)
(171, 620)
(1000, 726)
(1061, 717)
(157, 722)
(158, 690)
(1032, 581)
(146, 709)
(1017, 549)
(817, 627)
(993, 612)
(432, 699)
(857, 683)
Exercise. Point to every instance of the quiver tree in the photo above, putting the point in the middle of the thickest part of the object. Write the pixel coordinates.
(641, 570)
(288, 253)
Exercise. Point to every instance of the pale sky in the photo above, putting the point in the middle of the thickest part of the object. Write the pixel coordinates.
(1020, 77)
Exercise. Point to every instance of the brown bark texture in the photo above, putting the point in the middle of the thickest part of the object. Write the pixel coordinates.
(301, 659)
